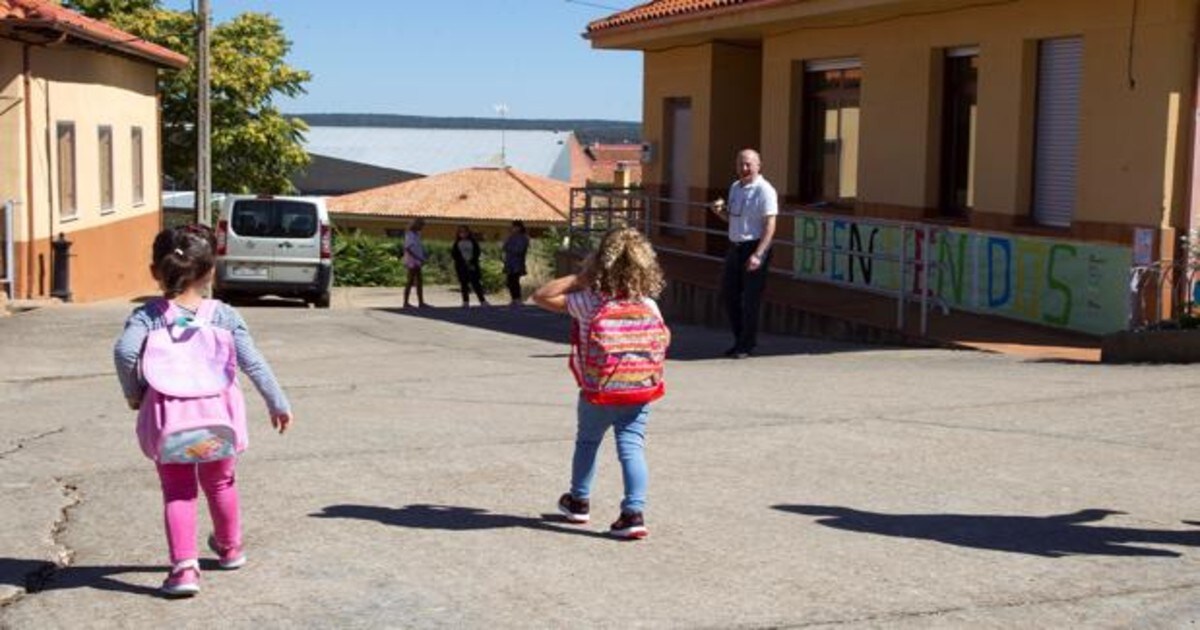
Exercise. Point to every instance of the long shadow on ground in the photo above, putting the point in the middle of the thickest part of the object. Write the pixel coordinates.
(451, 518)
(1055, 536)
(688, 343)
(36, 576)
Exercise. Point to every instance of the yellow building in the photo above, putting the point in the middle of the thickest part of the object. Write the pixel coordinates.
(79, 149)
(1063, 128)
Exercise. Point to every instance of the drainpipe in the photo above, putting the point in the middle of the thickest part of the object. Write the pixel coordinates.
(51, 135)
(1193, 206)
(26, 72)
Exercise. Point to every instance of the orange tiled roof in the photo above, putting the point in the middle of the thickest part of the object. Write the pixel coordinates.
(472, 194)
(44, 14)
(661, 9)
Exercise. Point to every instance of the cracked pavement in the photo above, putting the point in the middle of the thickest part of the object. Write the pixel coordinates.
(821, 485)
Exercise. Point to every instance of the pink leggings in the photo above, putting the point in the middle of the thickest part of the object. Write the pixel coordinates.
(179, 505)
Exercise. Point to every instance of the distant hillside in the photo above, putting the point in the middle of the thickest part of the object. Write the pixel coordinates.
(587, 131)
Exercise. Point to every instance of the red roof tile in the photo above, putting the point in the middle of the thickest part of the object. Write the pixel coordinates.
(581, 165)
(45, 14)
(661, 9)
(473, 194)
(615, 152)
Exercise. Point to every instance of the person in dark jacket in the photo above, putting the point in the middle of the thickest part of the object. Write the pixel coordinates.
(515, 249)
(466, 252)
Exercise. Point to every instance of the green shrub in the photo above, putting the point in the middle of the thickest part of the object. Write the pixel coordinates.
(360, 260)
(440, 267)
(375, 261)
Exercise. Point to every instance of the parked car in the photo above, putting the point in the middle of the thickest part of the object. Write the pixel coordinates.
(268, 245)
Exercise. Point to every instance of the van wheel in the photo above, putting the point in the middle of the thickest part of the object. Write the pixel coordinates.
(322, 300)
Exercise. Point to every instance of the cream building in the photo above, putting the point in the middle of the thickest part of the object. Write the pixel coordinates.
(79, 149)
(1064, 127)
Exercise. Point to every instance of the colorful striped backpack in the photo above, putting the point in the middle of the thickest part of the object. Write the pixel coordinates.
(620, 361)
(193, 410)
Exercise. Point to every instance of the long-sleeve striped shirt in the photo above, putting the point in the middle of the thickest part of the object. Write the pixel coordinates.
(145, 318)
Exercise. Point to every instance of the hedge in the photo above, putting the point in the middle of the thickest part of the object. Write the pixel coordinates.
(362, 260)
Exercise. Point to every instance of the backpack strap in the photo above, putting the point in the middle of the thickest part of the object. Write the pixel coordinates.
(208, 308)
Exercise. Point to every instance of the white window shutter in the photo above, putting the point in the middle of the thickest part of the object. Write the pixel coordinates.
(1056, 155)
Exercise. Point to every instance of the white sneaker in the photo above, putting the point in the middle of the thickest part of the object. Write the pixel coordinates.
(183, 580)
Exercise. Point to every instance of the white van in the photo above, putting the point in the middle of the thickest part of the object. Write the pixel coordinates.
(274, 245)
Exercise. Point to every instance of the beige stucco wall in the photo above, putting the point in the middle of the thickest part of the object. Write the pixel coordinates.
(678, 73)
(12, 134)
(90, 90)
(736, 106)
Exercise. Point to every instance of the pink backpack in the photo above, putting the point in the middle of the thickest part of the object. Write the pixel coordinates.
(193, 410)
(621, 360)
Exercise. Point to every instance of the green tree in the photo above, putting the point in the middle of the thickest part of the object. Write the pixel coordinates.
(255, 148)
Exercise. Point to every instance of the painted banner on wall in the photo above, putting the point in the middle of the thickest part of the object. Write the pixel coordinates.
(1067, 284)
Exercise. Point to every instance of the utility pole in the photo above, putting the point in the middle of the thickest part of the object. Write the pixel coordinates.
(203, 119)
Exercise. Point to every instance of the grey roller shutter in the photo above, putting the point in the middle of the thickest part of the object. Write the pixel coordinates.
(1056, 156)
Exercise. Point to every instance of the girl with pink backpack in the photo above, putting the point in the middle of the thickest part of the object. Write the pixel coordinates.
(618, 347)
(177, 363)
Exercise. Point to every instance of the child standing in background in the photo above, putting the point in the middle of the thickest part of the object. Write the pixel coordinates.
(183, 264)
(619, 345)
(414, 260)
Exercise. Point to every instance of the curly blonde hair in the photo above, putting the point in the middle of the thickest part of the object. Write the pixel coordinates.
(625, 266)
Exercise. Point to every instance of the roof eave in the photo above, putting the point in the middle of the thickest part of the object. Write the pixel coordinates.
(762, 16)
(629, 36)
(166, 59)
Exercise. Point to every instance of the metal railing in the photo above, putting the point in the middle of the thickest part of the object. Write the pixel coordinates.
(7, 224)
(1162, 291)
(594, 211)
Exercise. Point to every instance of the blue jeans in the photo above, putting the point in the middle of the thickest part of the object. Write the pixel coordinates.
(629, 425)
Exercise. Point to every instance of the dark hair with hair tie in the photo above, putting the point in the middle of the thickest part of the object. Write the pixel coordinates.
(183, 256)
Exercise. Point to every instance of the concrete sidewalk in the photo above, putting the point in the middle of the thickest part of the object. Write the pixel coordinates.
(823, 484)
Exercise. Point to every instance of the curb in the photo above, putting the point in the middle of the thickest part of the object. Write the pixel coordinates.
(1152, 346)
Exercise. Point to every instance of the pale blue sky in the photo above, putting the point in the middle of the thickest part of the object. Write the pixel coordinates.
(452, 57)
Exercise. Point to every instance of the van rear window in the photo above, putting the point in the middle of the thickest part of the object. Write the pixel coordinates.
(276, 218)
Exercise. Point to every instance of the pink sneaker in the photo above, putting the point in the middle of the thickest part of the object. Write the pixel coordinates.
(183, 580)
(228, 557)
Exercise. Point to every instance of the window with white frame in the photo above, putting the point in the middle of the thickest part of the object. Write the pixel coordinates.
(104, 143)
(137, 162)
(67, 206)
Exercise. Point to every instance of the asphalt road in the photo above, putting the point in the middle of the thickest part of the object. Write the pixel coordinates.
(821, 484)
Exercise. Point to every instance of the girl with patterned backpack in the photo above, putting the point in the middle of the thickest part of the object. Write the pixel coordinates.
(177, 362)
(618, 346)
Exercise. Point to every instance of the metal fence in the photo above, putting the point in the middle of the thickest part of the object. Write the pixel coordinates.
(594, 211)
(1164, 291)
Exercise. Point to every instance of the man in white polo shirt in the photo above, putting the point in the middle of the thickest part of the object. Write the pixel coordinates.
(751, 211)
